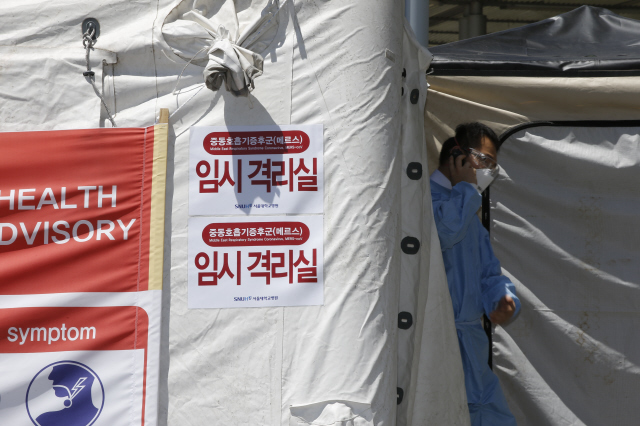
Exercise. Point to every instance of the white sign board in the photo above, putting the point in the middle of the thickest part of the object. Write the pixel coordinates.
(256, 170)
(261, 261)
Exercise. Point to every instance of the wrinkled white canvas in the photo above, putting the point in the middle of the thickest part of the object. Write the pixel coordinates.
(339, 63)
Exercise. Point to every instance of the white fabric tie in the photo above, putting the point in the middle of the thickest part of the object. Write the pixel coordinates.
(230, 55)
(234, 65)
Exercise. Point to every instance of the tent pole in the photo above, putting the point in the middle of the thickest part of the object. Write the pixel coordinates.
(463, 24)
(477, 21)
(417, 13)
(473, 23)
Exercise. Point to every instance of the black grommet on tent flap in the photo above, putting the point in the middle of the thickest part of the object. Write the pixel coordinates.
(92, 26)
(400, 394)
(404, 73)
(415, 94)
(405, 320)
(414, 171)
(410, 245)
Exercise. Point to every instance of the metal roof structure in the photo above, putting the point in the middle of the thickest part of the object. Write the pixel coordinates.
(445, 15)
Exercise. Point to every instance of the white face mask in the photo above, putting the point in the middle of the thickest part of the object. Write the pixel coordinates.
(485, 177)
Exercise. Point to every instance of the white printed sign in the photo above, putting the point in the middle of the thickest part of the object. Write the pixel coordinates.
(256, 170)
(255, 262)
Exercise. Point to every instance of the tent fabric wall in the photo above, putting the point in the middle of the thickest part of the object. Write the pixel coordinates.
(564, 225)
(59, 96)
(557, 214)
(338, 63)
(340, 362)
(429, 367)
(503, 102)
(304, 365)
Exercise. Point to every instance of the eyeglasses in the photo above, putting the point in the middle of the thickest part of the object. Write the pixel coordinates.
(483, 160)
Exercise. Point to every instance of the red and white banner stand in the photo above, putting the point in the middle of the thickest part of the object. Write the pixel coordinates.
(81, 257)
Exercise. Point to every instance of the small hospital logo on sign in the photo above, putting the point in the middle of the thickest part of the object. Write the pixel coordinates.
(65, 393)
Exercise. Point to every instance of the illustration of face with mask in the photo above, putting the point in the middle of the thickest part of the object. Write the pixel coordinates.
(72, 383)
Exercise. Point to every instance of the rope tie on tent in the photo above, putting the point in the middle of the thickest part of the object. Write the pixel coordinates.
(202, 86)
(175, 89)
(88, 41)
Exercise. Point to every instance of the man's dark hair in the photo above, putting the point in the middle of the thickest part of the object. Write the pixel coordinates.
(468, 135)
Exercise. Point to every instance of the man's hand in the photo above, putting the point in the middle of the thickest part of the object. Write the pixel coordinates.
(461, 172)
(505, 310)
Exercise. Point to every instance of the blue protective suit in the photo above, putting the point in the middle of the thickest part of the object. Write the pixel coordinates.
(476, 285)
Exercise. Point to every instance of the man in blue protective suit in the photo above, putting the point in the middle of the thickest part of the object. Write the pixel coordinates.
(468, 165)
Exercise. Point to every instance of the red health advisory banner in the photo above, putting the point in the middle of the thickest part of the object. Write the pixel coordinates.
(76, 210)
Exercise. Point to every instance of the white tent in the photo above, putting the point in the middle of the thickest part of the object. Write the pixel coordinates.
(349, 65)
